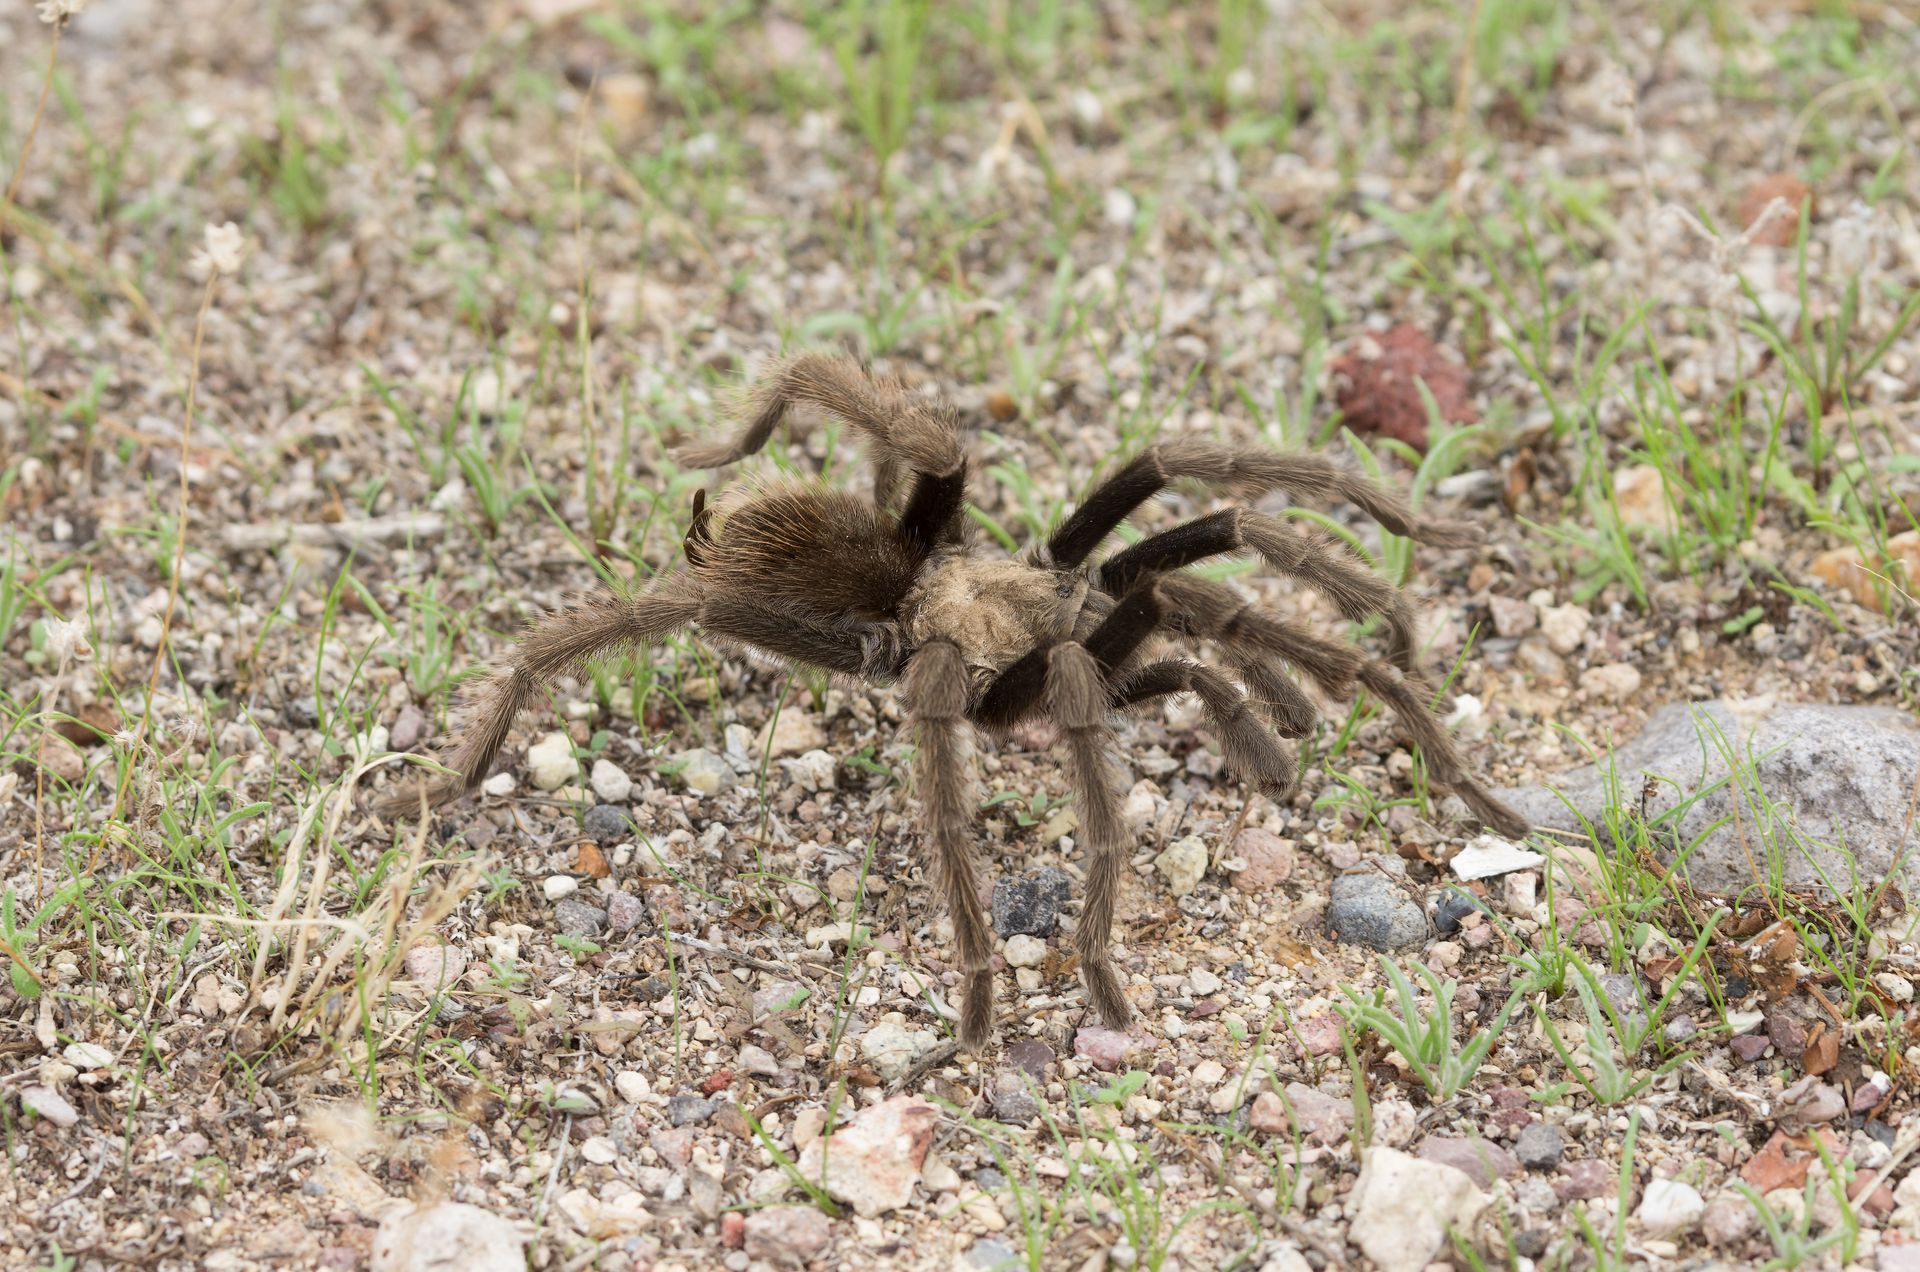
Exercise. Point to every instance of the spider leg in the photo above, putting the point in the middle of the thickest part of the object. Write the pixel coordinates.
(606, 625)
(1017, 691)
(901, 431)
(1249, 746)
(937, 691)
(557, 645)
(1245, 470)
(1207, 610)
(1077, 697)
(1357, 592)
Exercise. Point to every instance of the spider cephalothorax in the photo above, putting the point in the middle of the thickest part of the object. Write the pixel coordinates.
(890, 589)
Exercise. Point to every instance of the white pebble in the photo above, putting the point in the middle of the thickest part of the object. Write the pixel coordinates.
(558, 886)
(610, 782)
(550, 762)
(1025, 951)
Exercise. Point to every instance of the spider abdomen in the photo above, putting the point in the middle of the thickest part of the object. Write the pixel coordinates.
(821, 552)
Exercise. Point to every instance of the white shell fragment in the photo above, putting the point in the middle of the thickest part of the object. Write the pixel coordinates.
(1490, 855)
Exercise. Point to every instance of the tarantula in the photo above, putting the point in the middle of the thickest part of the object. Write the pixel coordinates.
(890, 589)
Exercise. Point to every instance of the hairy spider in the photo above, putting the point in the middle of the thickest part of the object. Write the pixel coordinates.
(890, 588)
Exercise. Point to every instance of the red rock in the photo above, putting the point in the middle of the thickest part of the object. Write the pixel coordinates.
(733, 1229)
(1586, 1179)
(1268, 858)
(717, 1082)
(1784, 229)
(1103, 1048)
(1376, 385)
(1481, 1160)
(1319, 1035)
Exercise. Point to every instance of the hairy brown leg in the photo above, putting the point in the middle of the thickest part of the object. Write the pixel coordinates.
(1250, 748)
(1356, 591)
(1212, 611)
(1077, 698)
(560, 644)
(1243, 470)
(901, 430)
(937, 689)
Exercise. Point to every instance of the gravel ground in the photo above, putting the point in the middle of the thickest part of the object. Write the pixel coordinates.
(497, 259)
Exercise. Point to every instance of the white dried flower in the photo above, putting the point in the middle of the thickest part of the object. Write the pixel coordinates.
(224, 249)
(56, 12)
(1853, 243)
(67, 641)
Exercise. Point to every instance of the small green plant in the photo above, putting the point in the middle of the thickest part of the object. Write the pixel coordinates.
(1424, 1039)
(1026, 810)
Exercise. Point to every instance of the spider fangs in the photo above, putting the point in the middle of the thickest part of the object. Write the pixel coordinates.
(891, 588)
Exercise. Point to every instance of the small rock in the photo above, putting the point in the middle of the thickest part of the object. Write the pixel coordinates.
(1030, 906)
(787, 1236)
(578, 918)
(1640, 493)
(48, 1103)
(1669, 1208)
(500, 784)
(1403, 1206)
(986, 1255)
(1614, 682)
(1377, 383)
(1513, 619)
(690, 1110)
(624, 912)
(703, 772)
(610, 782)
(632, 1086)
(758, 1061)
(1820, 1103)
(1729, 1219)
(550, 762)
(1011, 1096)
(1101, 1047)
(1481, 1160)
(1025, 951)
(1183, 864)
(1565, 626)
(1365, 908)
(1119, 208)
(434, 967)
(606, 824)
(1489, 855)
(1586, 1179)
(559, 886)
(409, 729)
(449, 1234)
(792, 733)
(891, 1047)
(87, 1056)
(1266, 859)
(813, 771)
(1539, 1146)
(1455, 905)
(1032, 1057)
(599, 1150)
(1784, 229)
(1749, 1047)
(876, 1157)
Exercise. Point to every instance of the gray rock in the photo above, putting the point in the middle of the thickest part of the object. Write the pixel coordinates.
(787, 1236)
(992, 1256)
(1366, 909)
(607, 824)
(1030, 906)
(1844, 774)
(690, 1110)
(1539, 1146)
(575, 917)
